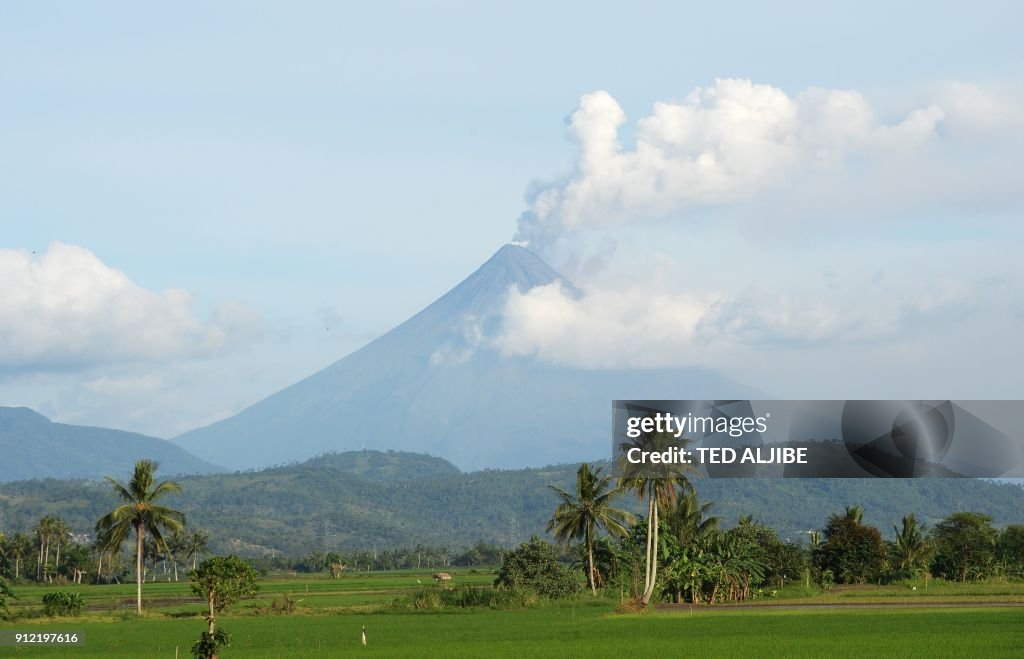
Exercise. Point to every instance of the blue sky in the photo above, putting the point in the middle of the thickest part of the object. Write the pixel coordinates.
(296, 167)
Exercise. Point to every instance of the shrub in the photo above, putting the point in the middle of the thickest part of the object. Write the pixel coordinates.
(62, 603)
(431, 599)
(853, 552)
(534, 565)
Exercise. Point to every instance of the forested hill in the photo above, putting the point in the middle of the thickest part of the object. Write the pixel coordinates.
(32, 446)
(367, 499)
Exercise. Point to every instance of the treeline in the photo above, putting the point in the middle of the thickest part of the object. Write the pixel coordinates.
(363, 500)
(51, 553)
(680, 552)
(419, 557)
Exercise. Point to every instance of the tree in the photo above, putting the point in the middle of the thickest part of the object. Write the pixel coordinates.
(44, 531)
(912, 549)
(140, 513)
(587, 511)
(5, 592)
(689, 521)
(61, 533)
(197, 545)
(656, 482)
(1011, 550)
(534, 565)
(782, 561)
(965, 545)
(177, 546)
(221, 581)
(21, 547)
(852, 551)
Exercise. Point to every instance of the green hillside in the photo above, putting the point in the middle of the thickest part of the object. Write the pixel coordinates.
(368, 499)
(32, 446)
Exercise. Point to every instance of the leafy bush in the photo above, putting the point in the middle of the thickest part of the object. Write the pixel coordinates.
(432, 599)
(5, 592)
(209, 644)
(853, 552)
(535, 566)
(62, 603)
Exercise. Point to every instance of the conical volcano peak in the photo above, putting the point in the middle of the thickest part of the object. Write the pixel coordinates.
(438, 383)
(515, 265)
(486, 290)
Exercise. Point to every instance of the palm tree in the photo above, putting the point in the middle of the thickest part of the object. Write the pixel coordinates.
(61, 532)
(44, 532)
(177, 547)
(139, 513)
(21, 547)
(196, 545)
(689, 521)
(657, 483)
(583, 513)
(912, 547)
(855, 513)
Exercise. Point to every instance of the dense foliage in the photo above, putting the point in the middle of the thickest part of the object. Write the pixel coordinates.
(386, 501)
(852, 553)
(535, 566)
(965, 547)
(62, 603)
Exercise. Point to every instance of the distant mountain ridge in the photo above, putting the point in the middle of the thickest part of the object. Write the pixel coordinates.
(32, 446)
(372, 499)
(436, 385)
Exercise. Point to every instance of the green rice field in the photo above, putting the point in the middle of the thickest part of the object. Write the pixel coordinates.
(944, 620)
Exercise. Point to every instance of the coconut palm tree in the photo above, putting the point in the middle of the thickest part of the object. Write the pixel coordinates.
(139, 513)
(689, 521)
(21, 547)
(196, 545)
(177, 547)
(586, 511)
(44, 532)
(912, 547)
(658, 484)
(60, 533)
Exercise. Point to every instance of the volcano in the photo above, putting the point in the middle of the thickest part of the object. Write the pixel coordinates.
(435, 385)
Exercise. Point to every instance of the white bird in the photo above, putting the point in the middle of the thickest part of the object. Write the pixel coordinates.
(364, 634)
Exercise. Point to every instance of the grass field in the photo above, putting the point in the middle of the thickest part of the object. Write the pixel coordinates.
(331, 613)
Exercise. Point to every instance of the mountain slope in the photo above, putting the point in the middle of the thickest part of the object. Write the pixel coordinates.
(434, 385)
(35, 447)
(369, 499)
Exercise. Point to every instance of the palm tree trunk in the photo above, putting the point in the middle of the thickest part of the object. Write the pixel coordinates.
(647, 554)
(138, 568)
(590, 562)
(649, 591)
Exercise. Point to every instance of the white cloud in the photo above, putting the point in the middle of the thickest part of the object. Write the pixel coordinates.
(641, 328)
(601, 329)
(730, 142)
(66, 309)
